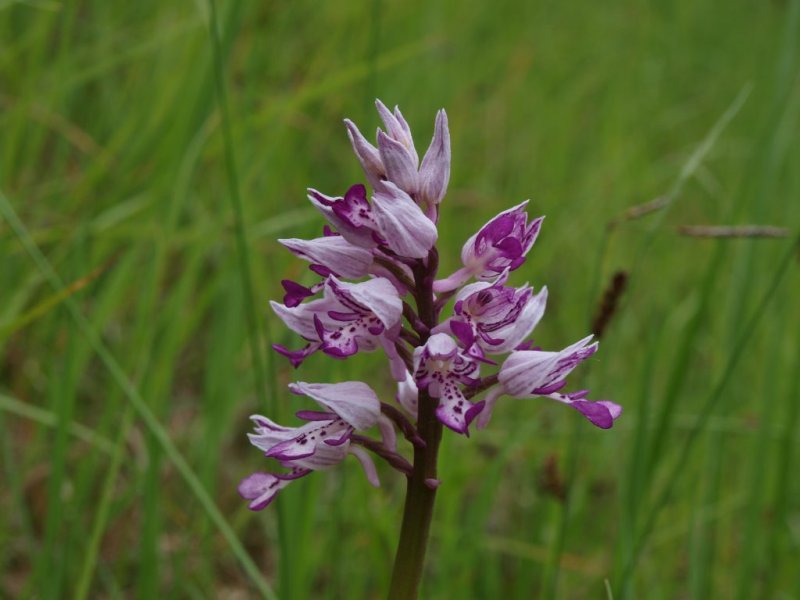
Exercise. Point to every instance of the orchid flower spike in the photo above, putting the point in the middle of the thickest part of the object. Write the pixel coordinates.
(374, 288)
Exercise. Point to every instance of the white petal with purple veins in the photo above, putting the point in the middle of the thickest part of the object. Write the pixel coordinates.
(359, 236)
(403, 225)
(525, 371)
(515, 333)
(300, 318)
(353, 401)
(333, 252)
(377, 295)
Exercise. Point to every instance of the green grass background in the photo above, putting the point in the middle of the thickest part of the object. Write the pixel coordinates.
(124, 170)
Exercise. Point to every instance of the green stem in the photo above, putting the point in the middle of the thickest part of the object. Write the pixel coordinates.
(418, 511)
(421, 491)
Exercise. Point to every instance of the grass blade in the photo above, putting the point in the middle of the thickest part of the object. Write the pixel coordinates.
(135, 399)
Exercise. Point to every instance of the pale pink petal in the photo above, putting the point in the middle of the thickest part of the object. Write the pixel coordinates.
(333, 252)
(367, 464)
(367, 155)
(354, 401)
(378, 295)
(403, 225)
(434, 174)
(261, 489)
(399, 165)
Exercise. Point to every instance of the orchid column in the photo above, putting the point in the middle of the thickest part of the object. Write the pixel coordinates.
(385, 244)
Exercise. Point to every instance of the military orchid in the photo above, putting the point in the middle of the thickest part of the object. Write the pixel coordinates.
(447, 341)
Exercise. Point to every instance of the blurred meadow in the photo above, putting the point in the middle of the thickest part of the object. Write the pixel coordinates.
(127, 378)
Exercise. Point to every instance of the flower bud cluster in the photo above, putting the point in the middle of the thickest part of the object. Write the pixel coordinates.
(384, 243)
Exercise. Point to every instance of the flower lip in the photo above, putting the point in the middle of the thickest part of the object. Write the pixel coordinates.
(440, 367)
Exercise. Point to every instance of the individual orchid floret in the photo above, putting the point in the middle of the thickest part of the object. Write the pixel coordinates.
(350, 317)
(491, 318)
(530, 373)
(350, 214)
(323, 442)
(395, 159)
(501, 244)
(392, 220)
(440, 367)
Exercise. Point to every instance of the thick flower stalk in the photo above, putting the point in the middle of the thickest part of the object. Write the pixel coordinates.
(454, 345)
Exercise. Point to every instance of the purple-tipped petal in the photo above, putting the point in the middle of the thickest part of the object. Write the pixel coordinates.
(613, 408)
(295, 293)
(267, 434)
(293, 449)
(377, 296)
(525, 371)
(596, 412)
